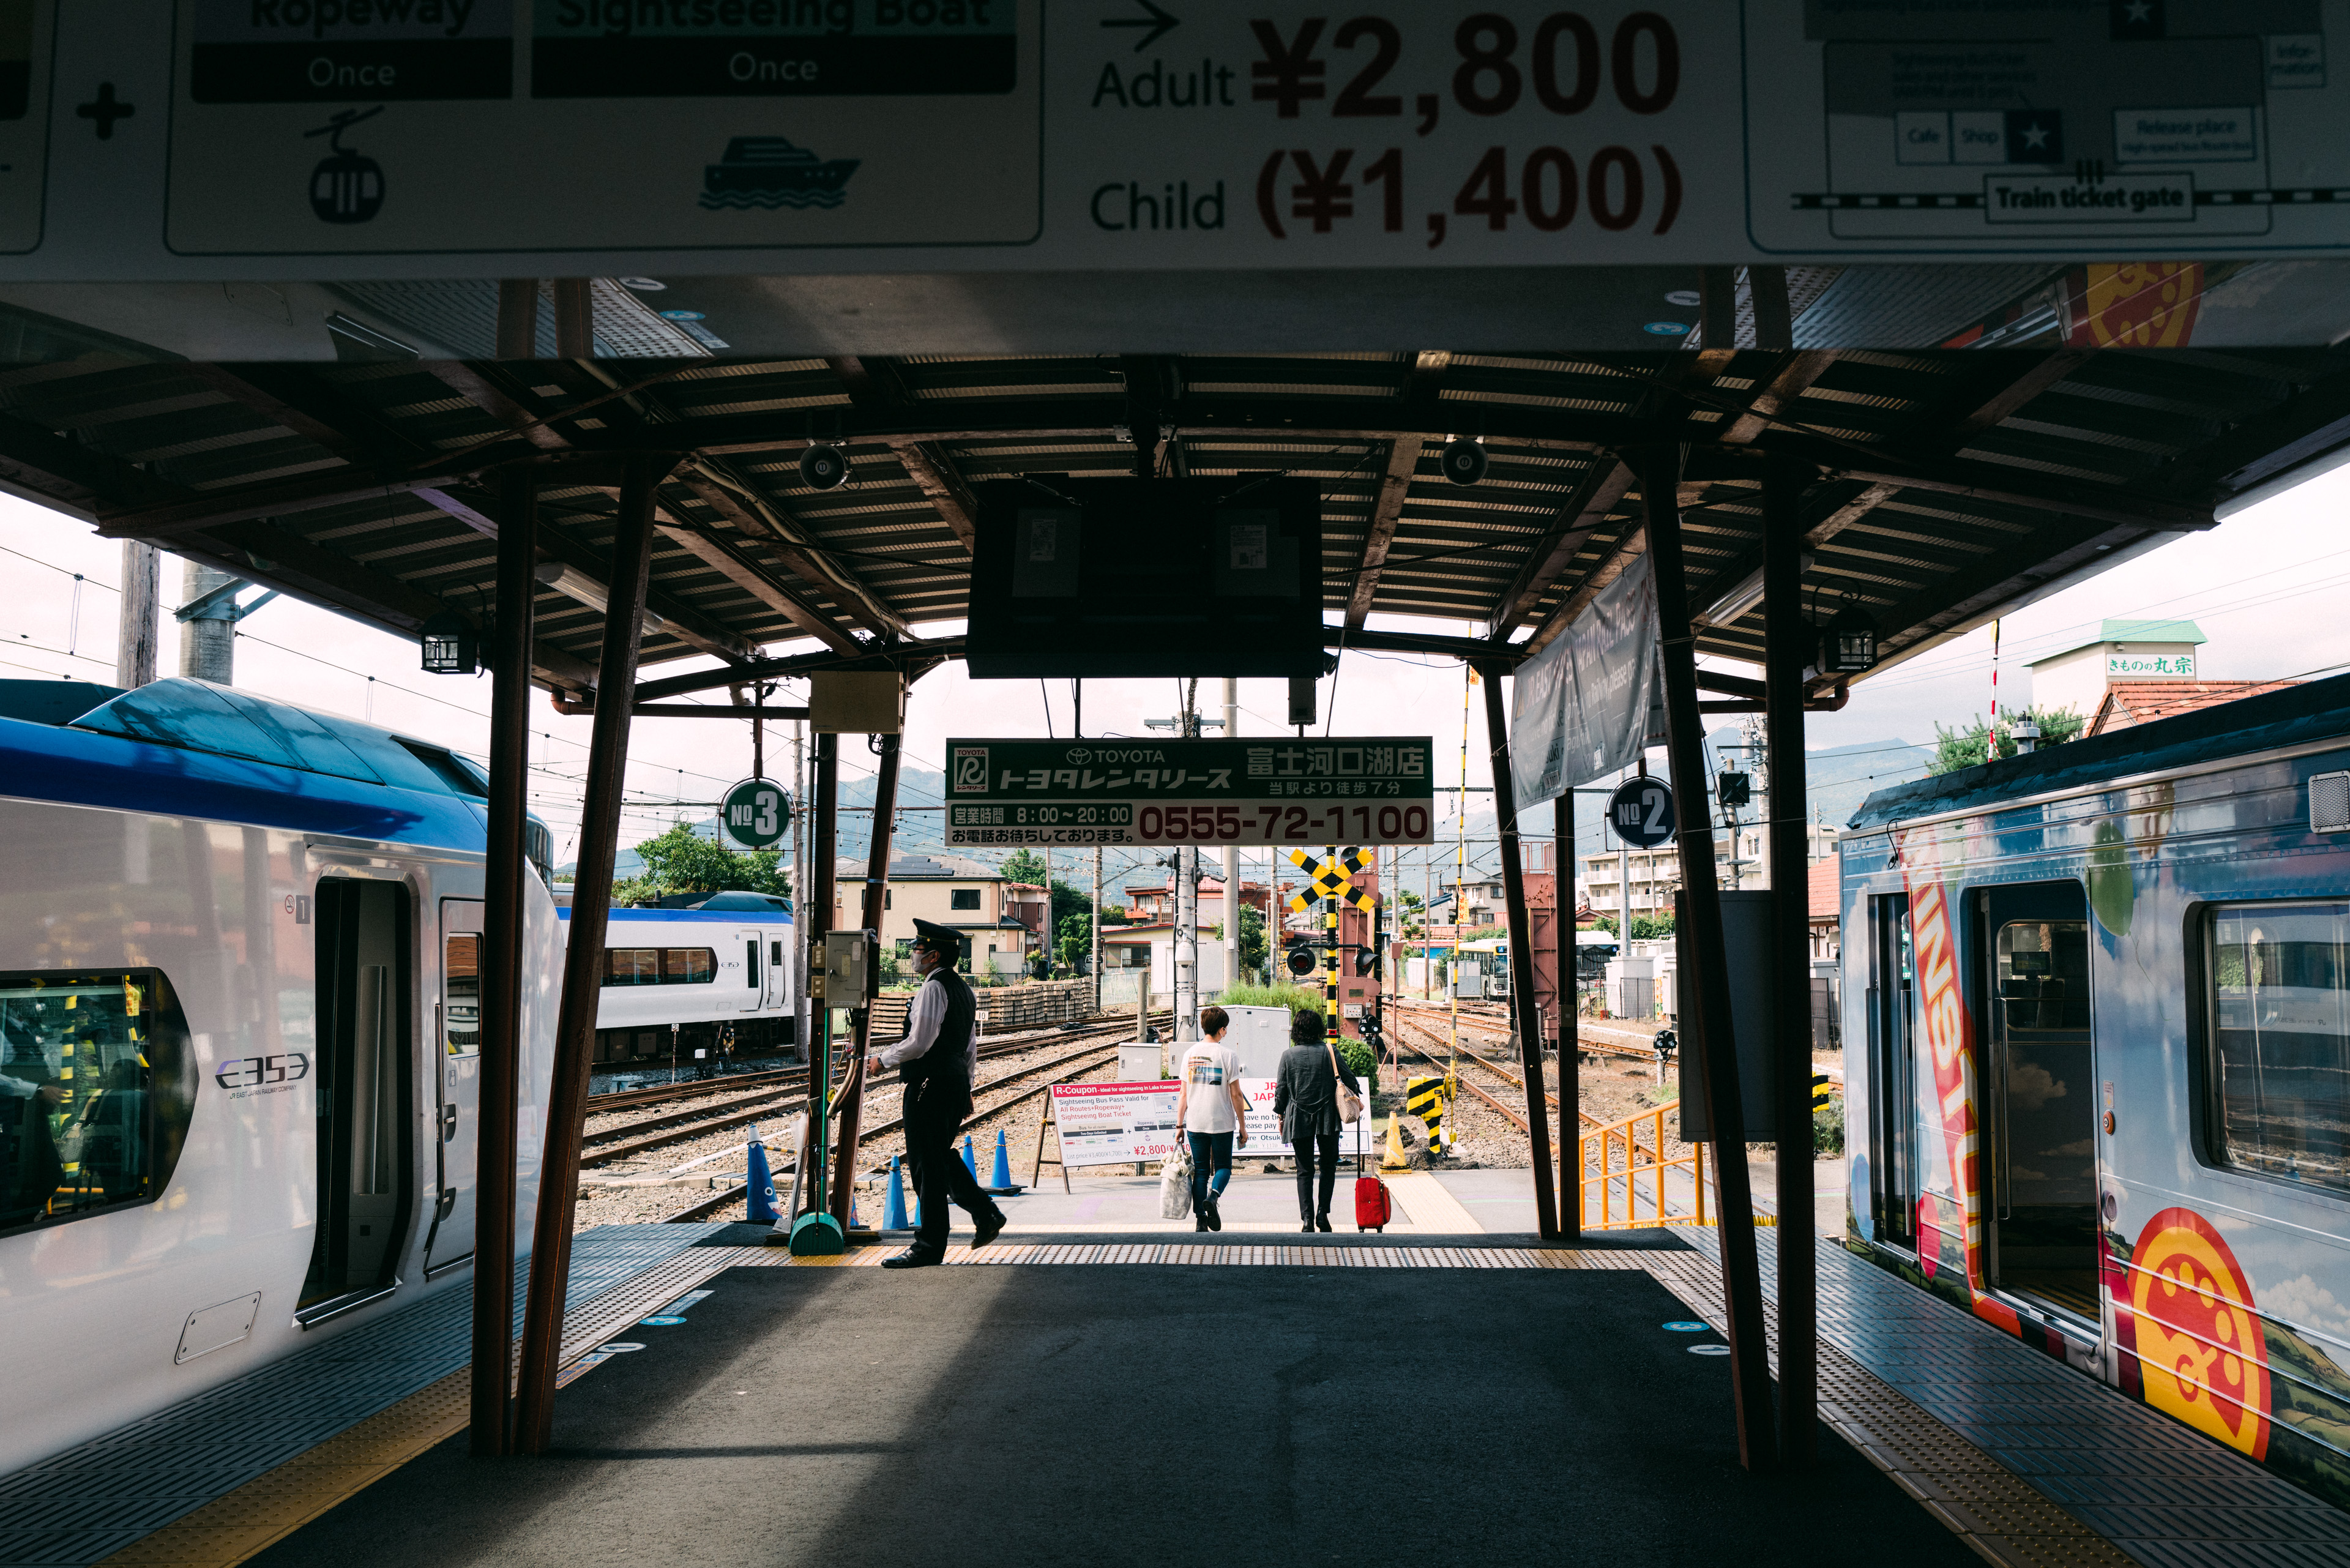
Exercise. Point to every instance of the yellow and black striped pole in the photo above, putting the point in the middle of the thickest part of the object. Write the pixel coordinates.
(1330, 947)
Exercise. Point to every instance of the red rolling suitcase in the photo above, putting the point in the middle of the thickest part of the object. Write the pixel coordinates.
(1373, 1206)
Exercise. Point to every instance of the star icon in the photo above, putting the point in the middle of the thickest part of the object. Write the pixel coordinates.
(2035, 135)
(2140, 10)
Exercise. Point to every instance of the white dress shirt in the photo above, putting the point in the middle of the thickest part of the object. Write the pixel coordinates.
(924, 1020)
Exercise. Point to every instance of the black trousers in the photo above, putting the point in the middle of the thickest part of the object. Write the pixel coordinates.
(1315, 1152)
(939, 1172)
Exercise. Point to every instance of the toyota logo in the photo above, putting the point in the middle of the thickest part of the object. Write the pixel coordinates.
(1078, 756)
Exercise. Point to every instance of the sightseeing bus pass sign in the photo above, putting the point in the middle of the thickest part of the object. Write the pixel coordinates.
(1366, 789)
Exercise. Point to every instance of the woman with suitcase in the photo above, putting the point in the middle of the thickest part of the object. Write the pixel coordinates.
(1305, 1098)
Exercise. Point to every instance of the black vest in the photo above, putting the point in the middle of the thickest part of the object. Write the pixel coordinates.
(944, 1061)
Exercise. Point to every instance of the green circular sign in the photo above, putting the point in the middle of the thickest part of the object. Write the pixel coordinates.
(755, 814)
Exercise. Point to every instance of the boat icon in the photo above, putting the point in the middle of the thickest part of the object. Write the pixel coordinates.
(770, 171)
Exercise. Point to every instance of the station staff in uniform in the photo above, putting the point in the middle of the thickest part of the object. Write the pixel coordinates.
(936, 1061)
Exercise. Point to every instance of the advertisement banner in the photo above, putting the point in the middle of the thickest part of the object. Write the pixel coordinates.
(1366, 790)
(1590, 703)
(1118, 1124)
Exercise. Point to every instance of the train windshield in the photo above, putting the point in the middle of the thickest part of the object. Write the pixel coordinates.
(92, 1107)
(2279, 1060)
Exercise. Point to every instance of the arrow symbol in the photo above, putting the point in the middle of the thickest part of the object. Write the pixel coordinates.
(1158, 22)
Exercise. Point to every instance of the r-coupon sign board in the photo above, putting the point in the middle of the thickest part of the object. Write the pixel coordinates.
(482, 139)
(1118, 1124)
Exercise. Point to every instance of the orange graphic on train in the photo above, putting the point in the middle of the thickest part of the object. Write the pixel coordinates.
(2202, 1356)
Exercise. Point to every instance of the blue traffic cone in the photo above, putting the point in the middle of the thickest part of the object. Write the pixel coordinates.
(969, 1161)
(759, 1185)
(999, 1180)
(893, 1212)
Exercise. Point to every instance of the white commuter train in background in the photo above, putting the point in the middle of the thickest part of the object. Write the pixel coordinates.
(239, 1039)
(698, 989)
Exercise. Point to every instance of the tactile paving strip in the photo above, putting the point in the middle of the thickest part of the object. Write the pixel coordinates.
(2030, 1460)
(1347, 1257)
(101, 1497)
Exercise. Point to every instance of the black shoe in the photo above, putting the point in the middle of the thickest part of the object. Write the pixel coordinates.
(1216, 1219)
(914, 1258)
(1321, 1222)
(1307, 1227)
(1199, 1221)
(988, 1229)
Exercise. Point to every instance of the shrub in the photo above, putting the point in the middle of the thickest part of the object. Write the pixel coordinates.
(1827, 1128)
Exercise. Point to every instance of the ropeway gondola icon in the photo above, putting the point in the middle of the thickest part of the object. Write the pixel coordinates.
(347, 188)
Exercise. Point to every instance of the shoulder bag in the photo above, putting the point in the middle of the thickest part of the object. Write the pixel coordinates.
(1350, 1104)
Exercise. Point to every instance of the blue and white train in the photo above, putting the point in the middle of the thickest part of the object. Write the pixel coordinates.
(239, 1035)
(2096, 1027)
(698, 989)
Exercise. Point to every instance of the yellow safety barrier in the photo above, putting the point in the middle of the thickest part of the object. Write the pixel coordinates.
(1617, 1153)
(1428, 1099)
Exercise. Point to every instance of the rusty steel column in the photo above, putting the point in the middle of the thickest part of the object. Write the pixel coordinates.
(1742, 1280)
(517, 325)
(582, 960)
(877, 880)
(1522, 951)
(501, 965)
(1570, 1031)
(574, 319)
(823, 874)
(1788, 647)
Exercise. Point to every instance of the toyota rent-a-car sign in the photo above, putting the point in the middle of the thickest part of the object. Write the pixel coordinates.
(1366, 790)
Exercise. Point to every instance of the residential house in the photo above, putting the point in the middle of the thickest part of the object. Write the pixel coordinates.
(948, 890)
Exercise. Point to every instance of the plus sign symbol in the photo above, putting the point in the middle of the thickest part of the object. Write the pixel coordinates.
(105, 109)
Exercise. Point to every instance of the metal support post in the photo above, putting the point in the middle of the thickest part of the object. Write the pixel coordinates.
(1787, 649)
(1332, 1030)
(1232, 855)
(1570, 1031)
(574, 319)
(582, 960)
(1685, 746)
(501, 964)
(518, 324)
(823, 867)
(1521, 953)
(877, 879)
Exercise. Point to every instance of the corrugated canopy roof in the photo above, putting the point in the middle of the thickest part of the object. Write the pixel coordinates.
(1950, 483)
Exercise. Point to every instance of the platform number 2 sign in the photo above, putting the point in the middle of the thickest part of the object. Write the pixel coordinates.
(1641, 812)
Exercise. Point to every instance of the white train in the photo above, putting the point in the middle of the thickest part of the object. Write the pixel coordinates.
(238, 1039)
(697, 988)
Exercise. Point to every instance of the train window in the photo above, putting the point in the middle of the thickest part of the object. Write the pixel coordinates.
(2043, 975)
(660, 966)
(2277, 1062)
(97, 1087)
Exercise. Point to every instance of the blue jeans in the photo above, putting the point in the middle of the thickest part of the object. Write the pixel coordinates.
(1211, 1166)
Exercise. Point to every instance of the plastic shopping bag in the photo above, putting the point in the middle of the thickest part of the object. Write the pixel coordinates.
(1175, 1187)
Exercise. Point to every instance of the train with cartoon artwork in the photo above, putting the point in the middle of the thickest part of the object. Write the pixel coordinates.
(239, 1039)
(2098, 1060)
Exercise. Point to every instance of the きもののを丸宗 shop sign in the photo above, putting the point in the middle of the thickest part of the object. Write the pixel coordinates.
(1352, 790)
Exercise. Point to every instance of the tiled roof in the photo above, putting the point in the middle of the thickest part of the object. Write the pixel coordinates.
(1827, 879)
(2142, 701)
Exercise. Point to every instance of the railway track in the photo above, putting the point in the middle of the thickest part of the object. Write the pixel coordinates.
(1076, 1064)
(1511, 1079)
(1425, 1014)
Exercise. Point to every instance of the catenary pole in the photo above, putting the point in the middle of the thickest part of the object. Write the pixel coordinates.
(876, 882)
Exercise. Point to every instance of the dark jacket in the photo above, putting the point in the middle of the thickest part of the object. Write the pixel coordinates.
(1305, 1095)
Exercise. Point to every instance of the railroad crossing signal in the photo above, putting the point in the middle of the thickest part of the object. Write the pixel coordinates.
(1331, 879)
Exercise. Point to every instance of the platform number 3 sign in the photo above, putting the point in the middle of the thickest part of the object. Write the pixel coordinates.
(754, 814)
(1641, 812)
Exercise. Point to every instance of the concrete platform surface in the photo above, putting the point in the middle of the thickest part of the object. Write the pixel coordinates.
(1082, 1415)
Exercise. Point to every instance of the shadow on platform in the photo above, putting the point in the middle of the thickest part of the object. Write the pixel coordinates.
(1079, 1415)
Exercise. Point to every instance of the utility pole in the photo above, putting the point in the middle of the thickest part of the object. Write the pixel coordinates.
(134, 658)
(1232, 855)
(208, 639)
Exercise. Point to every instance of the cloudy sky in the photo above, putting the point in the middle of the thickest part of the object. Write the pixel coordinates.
(2259, 586)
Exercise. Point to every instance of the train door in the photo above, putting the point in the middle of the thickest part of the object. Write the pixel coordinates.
(365, 1088)
(754, 944)
(1893, 1101)
(2040, 1111)
(457, 1124)
(774, 996)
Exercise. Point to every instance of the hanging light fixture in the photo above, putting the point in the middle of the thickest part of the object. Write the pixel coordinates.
(451, 645)
(1848, 642)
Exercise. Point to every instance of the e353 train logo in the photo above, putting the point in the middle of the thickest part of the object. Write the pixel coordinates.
(265, 1074)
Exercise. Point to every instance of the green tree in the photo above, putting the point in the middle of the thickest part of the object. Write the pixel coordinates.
(1252, 939)
(682, 861)
(1024, 866)
(1956, 748)
(1644, 928)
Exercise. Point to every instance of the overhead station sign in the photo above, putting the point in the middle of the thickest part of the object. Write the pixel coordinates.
(1050, 793)
(559, 137)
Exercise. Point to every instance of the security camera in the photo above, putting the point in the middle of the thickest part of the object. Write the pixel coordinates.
(824, 467)
(1463, 459)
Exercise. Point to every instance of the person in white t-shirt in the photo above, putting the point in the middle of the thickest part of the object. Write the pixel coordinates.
(1213, 1110)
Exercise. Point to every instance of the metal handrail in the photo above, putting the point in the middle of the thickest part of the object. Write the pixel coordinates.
(1598, 1150)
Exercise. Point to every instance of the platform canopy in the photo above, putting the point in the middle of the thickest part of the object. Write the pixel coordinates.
(1951, 484)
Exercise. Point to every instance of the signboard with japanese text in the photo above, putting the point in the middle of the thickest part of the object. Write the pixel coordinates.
(1118, 1124)
(1349, 789)
(484, 138)
(2178, 666)
(1593, 700)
